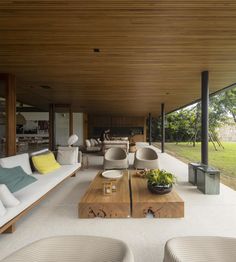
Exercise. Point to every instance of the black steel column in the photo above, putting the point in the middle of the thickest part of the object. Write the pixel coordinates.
(162, 128)
(150, 128)
(205, 117)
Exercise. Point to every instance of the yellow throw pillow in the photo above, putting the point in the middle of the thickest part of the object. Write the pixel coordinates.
(45, 163)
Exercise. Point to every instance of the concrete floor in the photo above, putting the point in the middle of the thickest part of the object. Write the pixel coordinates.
(58, 215)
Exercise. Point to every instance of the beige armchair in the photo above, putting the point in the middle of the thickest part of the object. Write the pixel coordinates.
(200, 249)
(146, 158)
(116, 158)
(74, 248)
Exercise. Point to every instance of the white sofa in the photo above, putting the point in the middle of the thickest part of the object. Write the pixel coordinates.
(29, 195)
(107, 144)
(93, 145)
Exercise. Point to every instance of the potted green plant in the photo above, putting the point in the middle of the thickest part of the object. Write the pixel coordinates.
(160, 181)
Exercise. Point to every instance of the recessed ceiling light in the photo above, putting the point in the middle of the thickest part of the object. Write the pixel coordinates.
(96, 50)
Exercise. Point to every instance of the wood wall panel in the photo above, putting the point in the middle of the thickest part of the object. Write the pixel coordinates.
(151, 52)
(85, 126)
(71, 124)
(124, 121)
(97, 121)
(10, 82)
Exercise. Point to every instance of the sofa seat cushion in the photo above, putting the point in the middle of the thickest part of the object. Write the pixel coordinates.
(17, 160)
(15, 178)
(2, 209)
(30, 194)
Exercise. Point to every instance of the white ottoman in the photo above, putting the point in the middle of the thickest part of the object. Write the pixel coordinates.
(73, 248)
(200, 249)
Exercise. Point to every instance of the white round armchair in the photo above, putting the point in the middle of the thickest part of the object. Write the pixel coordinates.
(146, 158)
(200, 249)
(116, 157)
(73, 249)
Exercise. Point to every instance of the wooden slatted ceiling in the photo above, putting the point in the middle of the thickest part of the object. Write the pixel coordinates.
(150, 52)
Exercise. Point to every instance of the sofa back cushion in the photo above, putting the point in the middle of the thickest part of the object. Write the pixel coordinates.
(36, 153)
(87, 142)
(45, 163)
(21, 160)
(15, 178)
(67, 155)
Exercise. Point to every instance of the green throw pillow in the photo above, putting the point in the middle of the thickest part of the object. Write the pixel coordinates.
(15, 178)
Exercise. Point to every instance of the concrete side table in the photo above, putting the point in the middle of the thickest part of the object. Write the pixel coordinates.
(208, 180)
(192, 172)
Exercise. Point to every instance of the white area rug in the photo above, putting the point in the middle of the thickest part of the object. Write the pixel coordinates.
(58, 215)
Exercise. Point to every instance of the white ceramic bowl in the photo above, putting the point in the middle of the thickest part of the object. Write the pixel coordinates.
(112, 174)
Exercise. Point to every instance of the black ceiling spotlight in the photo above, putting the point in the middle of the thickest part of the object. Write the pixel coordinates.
(45, 87)
(96, 50)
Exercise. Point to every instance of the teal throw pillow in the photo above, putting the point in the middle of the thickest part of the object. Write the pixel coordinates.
(15, 178)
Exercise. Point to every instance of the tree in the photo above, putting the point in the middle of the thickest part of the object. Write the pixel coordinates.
(228, 99)
(185, 124)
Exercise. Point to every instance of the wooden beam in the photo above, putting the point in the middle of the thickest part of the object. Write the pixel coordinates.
(85, 126)
(52, 134)
(71, 123)
(10, 91)
(145, 130)
(163, 128)
(205, 117)
(150, 128)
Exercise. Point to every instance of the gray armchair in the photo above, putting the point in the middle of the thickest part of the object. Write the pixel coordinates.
(116, 158)
(146, 158)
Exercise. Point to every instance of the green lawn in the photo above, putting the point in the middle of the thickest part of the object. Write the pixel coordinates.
(223, 159)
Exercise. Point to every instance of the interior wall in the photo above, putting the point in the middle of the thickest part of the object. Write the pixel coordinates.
(62, 125)
(34, 116)
(120, 126)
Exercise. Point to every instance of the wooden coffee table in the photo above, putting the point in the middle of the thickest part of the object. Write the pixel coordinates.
(116, 205)
(162, 206)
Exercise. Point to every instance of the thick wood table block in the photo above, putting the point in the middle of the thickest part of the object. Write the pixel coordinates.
(160, 206)
(95, 204)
